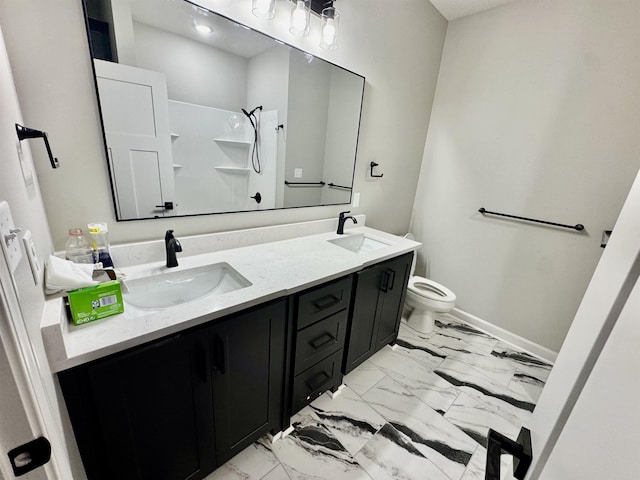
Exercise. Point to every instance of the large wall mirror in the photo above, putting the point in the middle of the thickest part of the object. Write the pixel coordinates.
(204, 115)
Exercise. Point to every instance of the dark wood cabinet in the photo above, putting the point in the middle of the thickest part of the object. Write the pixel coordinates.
(321, 319)
(379, 293)
(248, 371)
(145, 413)
(179, 407)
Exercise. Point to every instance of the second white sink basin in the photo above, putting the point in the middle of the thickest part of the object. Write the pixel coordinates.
(359, 243)
(170, 288)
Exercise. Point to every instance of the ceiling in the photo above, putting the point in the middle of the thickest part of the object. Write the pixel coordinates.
(178, 17)
(452, 9)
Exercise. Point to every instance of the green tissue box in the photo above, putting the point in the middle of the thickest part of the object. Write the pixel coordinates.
(93, 303)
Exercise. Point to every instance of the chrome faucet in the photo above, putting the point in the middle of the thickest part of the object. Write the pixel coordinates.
(342, 219)
(171, 245)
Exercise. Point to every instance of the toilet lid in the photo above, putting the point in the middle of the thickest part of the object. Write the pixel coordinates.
(430, 289)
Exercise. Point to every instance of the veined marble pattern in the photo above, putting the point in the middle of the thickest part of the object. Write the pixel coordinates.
(349, 418)
(434, 436)
(363, 378)
(420, 410)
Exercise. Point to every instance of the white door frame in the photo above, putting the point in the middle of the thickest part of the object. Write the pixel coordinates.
(28, 421)
(603, 302)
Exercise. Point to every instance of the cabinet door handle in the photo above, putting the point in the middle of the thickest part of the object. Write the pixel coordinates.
(201, 363)
(219, 354)
(317, 381)
(384, 280)
(392, 274)
(325, 302)
(322, 341)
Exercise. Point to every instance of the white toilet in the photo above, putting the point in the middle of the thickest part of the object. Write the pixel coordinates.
(425, 298)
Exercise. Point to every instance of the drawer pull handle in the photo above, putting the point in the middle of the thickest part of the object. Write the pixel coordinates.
(317, 381)
(326, 302)
(322, 341)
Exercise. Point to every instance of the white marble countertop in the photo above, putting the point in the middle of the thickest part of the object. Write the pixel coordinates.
(275, 269)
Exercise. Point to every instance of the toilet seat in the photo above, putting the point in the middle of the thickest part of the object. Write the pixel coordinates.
(428, 289)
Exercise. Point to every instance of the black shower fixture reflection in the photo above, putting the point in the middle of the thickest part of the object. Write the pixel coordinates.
(255, 123)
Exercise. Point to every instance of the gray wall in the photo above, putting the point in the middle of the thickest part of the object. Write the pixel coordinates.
(399, 55)
(341, 130)
(196, 73)
(309, 85)
(22, 300)
(268, 85)
(536, 114)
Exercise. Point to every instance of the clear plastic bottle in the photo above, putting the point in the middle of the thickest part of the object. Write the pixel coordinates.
(77, 247)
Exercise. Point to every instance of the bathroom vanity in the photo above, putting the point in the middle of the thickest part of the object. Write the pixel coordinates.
(148, 411)
(201, 381)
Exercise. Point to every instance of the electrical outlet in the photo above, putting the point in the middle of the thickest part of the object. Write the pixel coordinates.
(356, 200)
(9, 237)
(32, 255)
(297, 173)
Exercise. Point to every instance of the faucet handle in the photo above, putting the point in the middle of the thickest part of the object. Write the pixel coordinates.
(342, 214)
(176, 246)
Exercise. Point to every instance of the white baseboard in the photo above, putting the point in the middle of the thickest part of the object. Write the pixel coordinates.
(506, 336)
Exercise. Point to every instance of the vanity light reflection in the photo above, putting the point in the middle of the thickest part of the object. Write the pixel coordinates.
(330, 24)
(300, 18)
(264, 9)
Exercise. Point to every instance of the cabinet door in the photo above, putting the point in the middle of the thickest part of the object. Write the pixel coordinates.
(393, 283)
(145, 414)
(248, 371)
(365, 305)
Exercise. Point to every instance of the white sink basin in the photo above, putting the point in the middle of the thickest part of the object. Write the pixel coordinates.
(359, 243)
(174, 287)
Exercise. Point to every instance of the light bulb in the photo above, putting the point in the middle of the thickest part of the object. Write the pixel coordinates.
(299, 17)
(329, 32)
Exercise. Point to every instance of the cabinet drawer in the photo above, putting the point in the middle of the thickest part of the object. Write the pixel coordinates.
(313, 382)
(320, 340)
(323, 301)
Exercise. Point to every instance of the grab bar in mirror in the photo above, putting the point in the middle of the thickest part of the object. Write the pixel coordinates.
(304, 184)
(333, 185)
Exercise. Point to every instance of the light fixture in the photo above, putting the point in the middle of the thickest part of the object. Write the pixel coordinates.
(329, 29)
(265, 9)
(202, 28)
(300, 18)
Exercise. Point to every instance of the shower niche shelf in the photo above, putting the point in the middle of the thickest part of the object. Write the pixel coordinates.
(233, 142)
(234, 170)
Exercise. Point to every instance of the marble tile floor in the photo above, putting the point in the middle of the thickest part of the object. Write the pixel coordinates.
(420, 410)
